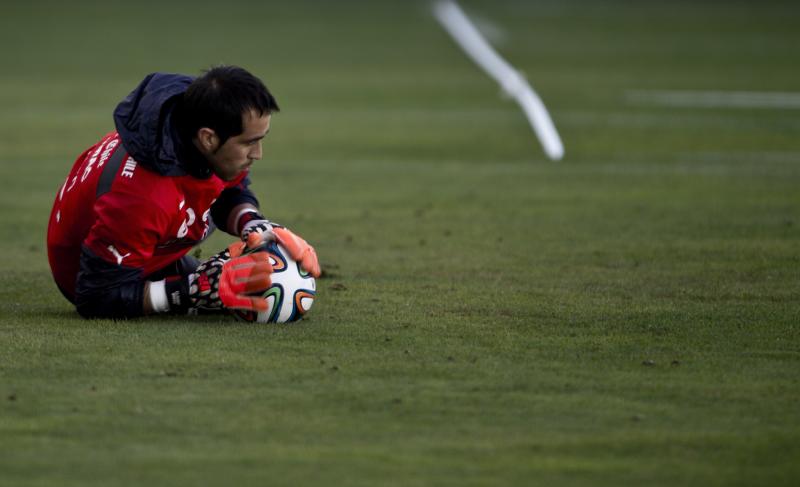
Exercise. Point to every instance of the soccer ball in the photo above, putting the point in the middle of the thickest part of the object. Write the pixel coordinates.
(291, 294)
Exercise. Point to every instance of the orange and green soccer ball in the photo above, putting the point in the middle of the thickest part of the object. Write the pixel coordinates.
(292, 292)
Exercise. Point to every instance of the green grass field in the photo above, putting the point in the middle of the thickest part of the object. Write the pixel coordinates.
(629, 316)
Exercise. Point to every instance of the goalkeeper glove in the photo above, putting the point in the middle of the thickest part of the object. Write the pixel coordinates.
(299, 250)
(253, 222)
(224, 281)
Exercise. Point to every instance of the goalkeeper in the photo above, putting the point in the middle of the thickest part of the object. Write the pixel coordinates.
(137, 201)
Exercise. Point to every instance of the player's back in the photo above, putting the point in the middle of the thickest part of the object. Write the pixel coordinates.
(74, 211)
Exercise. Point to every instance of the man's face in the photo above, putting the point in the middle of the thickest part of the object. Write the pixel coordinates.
(239, 152)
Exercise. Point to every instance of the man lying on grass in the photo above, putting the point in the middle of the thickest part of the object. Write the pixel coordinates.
(137, 201)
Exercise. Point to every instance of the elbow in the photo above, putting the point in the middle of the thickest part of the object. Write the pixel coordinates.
(87, 311)
(105, 290)
(99, 306)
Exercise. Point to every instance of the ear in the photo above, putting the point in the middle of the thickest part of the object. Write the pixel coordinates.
(207, 140)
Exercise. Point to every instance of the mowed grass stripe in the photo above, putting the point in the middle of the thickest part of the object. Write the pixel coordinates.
(488, 317)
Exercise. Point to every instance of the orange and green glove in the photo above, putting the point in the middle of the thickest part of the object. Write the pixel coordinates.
(299, 250)
(227, 280)
(252, 222)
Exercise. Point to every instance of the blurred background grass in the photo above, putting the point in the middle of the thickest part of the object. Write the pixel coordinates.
(490, 318)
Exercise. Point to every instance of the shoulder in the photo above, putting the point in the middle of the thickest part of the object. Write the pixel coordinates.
(141, 196)
(141, 183)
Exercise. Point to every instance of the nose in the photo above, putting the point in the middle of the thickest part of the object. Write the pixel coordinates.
(255, 154)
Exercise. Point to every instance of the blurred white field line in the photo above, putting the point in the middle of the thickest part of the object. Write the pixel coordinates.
(461, 29)
(491, 31)
(676, 119)
(715, 99)
(762, 157)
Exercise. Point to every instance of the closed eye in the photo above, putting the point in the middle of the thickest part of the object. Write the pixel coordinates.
(255, 139)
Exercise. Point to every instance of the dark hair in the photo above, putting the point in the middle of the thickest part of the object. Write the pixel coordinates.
(219, 98)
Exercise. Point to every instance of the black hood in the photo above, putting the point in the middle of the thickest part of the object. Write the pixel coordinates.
(144, 121)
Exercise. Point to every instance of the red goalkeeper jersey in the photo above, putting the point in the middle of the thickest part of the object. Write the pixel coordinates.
(127, 214)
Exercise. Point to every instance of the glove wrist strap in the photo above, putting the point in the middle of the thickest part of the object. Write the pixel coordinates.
(246, 216)
(177, 294)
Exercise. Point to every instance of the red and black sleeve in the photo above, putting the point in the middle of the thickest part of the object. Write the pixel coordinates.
(229, 199)
(106, 290)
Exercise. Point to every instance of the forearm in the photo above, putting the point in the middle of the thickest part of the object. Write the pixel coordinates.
(104, 290)
(237, 215)
(154, 298)
(169, 295)
(228, 206)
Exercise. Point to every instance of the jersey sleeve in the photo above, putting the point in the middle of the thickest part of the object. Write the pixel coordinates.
(231, 197)
(106, 290)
